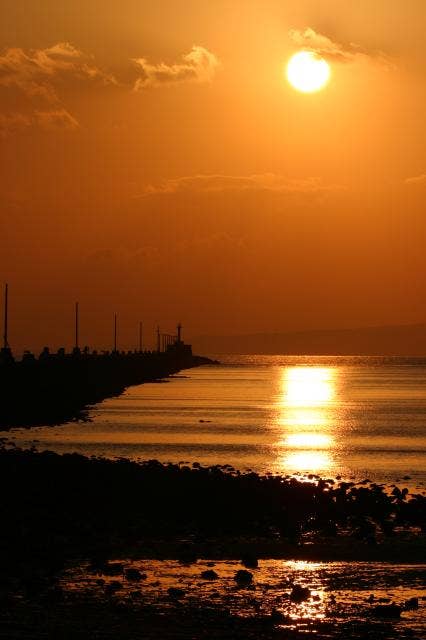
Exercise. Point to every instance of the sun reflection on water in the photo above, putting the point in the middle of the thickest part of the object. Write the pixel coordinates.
(308, 461)
(306, 418)
(307, 440)
(308, 386)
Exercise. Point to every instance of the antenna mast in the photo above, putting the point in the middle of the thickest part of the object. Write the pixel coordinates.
(76, 326)
(6, 303)
(115, 332)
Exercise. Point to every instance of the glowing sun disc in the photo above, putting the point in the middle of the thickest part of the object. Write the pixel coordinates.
(307, 72)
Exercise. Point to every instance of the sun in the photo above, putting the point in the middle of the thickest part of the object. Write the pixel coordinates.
(307, 72)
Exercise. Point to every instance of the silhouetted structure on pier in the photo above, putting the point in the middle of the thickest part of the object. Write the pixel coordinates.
(6, 356)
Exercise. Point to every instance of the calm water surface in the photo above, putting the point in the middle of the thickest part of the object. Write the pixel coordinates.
(358, 417)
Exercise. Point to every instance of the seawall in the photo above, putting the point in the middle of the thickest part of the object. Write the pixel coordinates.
(57, 388)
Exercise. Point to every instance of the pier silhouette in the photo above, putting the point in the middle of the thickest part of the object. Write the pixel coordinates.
(56, 387)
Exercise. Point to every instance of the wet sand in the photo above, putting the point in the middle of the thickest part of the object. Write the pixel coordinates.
(168, 599)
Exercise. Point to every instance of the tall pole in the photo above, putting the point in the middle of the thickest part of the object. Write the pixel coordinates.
(158, 340)
(179, 332)
(115, 332)
(140, 336)
(6, 302)
(76, 326)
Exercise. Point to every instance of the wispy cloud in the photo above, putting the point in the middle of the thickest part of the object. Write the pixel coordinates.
(53, 120)
(36, 71)
(48, 120)
(327, 48)
(36, 81)
(12, 123)
(36, 78)
(199, 65)
(268, 182)
(421, 179)
(123, 259)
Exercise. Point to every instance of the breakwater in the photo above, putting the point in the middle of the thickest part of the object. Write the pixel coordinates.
(58, 387)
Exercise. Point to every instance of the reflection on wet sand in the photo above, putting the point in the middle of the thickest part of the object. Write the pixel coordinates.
(335, 597)
(306, 417)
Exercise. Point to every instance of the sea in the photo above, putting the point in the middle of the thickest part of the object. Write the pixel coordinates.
(355, 418)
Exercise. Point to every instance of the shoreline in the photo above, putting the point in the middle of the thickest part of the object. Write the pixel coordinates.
(88, 507)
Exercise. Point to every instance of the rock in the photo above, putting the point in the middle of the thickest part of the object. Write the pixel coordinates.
(134, 575)
(371, 598)
(176, 593)
(249, 561)
(113, 586)
(299, 593)
(411, 604)
(112, 569)
(276, 617)
(243, 577)
(386, 611)
(97, 564)
(210, 574)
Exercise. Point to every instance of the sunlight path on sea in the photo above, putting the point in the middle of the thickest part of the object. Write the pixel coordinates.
(306, 416)
(354, 417)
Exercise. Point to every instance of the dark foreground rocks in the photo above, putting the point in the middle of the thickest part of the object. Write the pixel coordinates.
(56, 508)
(60, 510)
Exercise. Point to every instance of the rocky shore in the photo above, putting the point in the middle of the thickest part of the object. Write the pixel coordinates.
(67, 506)
(112, 527)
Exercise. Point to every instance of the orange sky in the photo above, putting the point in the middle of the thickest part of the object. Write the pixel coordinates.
(155, 162)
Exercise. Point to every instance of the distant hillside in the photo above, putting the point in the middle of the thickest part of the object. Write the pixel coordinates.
(408, 340)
